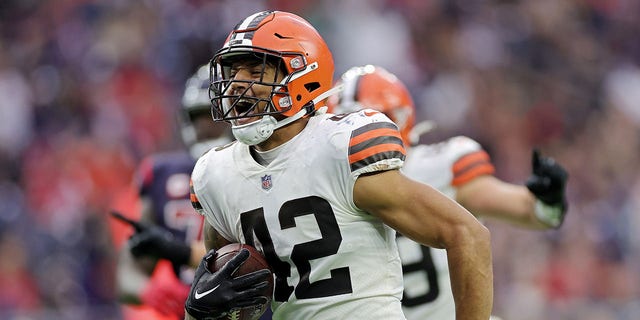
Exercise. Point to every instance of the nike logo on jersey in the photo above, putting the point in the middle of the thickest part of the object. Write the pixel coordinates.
(199, 295)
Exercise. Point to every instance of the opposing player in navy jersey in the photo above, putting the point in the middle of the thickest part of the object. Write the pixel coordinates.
(320, 195)
(154, 268)
(462, 170)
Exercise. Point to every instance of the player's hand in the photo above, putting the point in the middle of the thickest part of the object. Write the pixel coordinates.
(547, 182)
(214, 295)
(158, 242)
(165, 293)
(154, 241)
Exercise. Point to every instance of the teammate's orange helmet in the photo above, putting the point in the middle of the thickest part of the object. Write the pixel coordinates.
(374, 87)
(286, 41)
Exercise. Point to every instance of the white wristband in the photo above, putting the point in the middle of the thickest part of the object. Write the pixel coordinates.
(549, 215)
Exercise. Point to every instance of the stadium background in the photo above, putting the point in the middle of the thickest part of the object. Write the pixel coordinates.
(89, 87)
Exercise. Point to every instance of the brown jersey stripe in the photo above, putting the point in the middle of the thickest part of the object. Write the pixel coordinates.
(374, 150)
(377, 157)
(381, 132)
(375, 142)
(373, 126)
(470, 166)
(194, 199)
(469, 160)
(472, 173)
(372, 134)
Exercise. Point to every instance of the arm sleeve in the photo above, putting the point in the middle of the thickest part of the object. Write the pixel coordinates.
(470, 161)
(375, 144)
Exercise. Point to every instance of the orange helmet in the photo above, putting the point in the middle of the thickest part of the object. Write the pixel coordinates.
(286, 41)
(374, 87)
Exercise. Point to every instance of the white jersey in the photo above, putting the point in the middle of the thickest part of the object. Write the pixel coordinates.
(331, 260)
(444, 166)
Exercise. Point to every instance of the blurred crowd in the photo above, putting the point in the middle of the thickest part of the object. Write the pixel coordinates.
(89, 87)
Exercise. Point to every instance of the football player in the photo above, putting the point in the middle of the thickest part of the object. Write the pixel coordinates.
(462, 170)
(320, 195)
(154, 268)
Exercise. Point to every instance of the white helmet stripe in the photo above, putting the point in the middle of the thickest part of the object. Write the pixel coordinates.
(245, 38)
(252, 20)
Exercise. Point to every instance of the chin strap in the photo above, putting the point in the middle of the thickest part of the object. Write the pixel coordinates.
(260, 130)
(328, 93)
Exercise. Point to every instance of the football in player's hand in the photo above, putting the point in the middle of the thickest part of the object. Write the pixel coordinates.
(255, 262)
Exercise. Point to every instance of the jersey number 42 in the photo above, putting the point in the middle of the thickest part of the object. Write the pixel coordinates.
(253, 223)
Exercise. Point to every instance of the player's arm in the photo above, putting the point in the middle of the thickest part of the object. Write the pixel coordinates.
(212, 238)
(156, 242)
(425, 215)
(133, 274)
(540, 204)
(141, 279)
(198, 250)
(490, 197)
(214, 294)
(223, 292)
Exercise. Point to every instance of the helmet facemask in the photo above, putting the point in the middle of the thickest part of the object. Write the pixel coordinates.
(274, 41)
(235, 100)
(240, 98)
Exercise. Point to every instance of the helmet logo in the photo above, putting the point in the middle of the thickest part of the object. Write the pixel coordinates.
(266, 182)
(284, 102)
(296, 63)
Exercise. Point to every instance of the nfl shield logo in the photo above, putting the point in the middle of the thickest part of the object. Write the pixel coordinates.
(266, 182)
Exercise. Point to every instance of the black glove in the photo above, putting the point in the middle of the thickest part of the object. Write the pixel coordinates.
(214, 295)
(158, 242)
(547, 183)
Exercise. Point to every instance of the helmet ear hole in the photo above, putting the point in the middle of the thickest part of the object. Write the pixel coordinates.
(298, 97)
(311, 86)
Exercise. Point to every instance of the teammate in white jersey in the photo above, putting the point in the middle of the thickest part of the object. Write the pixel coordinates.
(462, 170)
(320, 195)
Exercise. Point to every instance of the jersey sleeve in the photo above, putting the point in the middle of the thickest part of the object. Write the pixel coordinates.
(375, 143)
(471, 161)
(201, 197)
(195, 202)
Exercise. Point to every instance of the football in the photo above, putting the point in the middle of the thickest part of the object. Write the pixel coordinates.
(255, 262)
